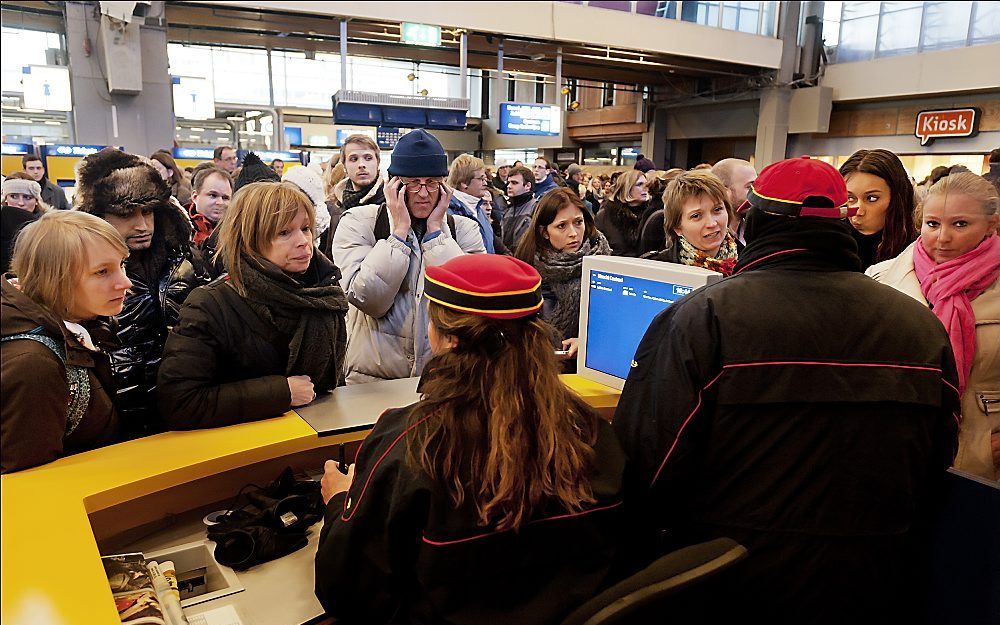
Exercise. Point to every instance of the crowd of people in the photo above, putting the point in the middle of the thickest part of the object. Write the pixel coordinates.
(799, 397)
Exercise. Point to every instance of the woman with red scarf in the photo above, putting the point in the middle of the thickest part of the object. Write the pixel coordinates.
(696, 217)
(953, 268)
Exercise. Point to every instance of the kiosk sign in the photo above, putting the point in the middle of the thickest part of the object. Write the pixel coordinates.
(946, 123)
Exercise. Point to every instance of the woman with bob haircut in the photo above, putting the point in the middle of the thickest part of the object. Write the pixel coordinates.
(55, 372)
(268, 335)
(696, 216)
(879, 187)
(953, 267)
(561, 234)
(624, 212)
(496, 497)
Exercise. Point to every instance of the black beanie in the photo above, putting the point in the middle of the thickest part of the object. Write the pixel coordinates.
(418, 154)
(254, 170)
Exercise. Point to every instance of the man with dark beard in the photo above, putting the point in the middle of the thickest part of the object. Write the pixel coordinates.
(125, 190)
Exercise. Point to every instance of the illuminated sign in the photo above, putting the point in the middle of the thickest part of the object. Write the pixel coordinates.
(203, 154)
(17, 148)
(529, 119)
(269, 155)
(946, 123)
(46, 87)
(73, 150)
(421, 34)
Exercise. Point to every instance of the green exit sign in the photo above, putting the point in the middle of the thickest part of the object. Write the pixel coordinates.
(421, 34)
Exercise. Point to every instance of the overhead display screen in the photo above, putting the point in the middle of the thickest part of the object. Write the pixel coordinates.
(530, 119)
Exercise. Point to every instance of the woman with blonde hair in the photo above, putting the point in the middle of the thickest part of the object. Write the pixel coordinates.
(696, 216)
(496, 497)
(56, 376)
(953, 267)
(624, 212)
(267, 336)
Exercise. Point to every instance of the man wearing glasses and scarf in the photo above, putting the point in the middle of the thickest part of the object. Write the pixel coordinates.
(383, 249)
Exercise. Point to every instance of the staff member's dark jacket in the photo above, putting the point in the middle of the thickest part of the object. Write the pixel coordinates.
(394, 549)
(36, 392)
(54, 195)
(803, 411)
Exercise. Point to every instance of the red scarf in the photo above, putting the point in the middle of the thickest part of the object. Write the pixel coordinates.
(951, 286)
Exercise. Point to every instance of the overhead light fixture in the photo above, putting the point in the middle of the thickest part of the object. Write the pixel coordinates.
(252, 113)
(564, 91)
(424, 92)
(574, 105)
(196, 129)
(411, 76)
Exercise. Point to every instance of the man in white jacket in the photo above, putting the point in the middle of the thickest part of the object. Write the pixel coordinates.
(382, 251)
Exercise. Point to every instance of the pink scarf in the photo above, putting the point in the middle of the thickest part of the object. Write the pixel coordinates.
(950, 288)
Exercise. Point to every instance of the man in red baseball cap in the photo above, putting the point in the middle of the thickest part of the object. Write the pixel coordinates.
(798, 408)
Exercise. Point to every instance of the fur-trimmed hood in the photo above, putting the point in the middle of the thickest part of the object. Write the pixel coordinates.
(117, 183)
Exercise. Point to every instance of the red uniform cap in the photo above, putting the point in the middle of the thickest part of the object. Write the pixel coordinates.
(499, 287)
(801, 187)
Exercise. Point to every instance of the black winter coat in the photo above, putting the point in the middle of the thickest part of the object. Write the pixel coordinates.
(622, 225)
(162, 278)
(395, 549)
(804, 411)
(223, 364)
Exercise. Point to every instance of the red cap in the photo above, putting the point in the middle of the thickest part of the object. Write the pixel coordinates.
(499, 287)
(800, 187)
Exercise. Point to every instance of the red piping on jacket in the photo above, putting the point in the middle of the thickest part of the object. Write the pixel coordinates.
(345, 516)
(445, 543)
(763, 258)
(684, 425)
(697, 406)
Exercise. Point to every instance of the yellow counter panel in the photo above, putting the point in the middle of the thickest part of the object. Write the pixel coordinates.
(50, 566)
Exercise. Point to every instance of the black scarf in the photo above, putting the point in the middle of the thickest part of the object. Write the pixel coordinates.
(353, 198)
(309, 311)
(800, 243)
(868, 247)
(517, 201)
(561, 273)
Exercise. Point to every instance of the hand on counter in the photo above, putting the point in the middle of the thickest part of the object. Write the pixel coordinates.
(334, 481)
(301, 388)
(571, 346)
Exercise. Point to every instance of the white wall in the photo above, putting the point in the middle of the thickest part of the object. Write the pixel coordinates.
(559, 21)
(959, 70)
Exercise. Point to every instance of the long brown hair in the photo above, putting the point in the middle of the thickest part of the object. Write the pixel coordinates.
(507, 441)
(899, 229)
(533, 243)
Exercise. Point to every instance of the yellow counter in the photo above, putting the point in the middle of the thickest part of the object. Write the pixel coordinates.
(50, 566)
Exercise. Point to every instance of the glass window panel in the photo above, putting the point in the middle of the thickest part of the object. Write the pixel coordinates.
(742, 16)
(666, 9)
(899, 31)
(303, 82)
(986, 22)
(768, 25)
(831, 23)
(706, 13)
(22, 47)
(857, 39)
(380, 75)
(195, 61)
(946, 24)
(240, 76)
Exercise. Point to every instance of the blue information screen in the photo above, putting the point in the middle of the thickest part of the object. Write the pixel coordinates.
(621, 309)
(529, 119)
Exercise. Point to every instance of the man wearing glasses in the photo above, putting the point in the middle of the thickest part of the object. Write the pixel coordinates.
(383, 249)
(472, 199)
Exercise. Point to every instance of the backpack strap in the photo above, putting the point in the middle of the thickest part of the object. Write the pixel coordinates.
(382, 224)
(77, 378)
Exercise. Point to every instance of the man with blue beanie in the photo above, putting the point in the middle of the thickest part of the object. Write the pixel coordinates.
(383, 249)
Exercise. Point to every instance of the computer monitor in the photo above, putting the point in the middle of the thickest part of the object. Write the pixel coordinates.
(618, 300)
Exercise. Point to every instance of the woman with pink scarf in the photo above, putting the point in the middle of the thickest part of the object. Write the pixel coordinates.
(953, 268)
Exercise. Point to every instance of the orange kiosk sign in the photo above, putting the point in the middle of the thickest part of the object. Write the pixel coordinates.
(946, 123)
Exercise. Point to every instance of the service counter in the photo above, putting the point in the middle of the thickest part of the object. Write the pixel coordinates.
(58, 519)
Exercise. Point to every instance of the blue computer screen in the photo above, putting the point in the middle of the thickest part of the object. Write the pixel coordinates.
(620, 310)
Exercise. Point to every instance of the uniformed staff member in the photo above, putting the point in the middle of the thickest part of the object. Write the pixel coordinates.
(799, 409)
(493, 499)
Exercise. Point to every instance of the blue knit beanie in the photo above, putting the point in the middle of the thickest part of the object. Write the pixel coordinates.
(418, 154)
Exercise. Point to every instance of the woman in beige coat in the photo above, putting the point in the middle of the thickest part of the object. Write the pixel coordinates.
(953, 268)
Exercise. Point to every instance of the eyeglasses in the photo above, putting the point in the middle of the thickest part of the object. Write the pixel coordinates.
(413, 186)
